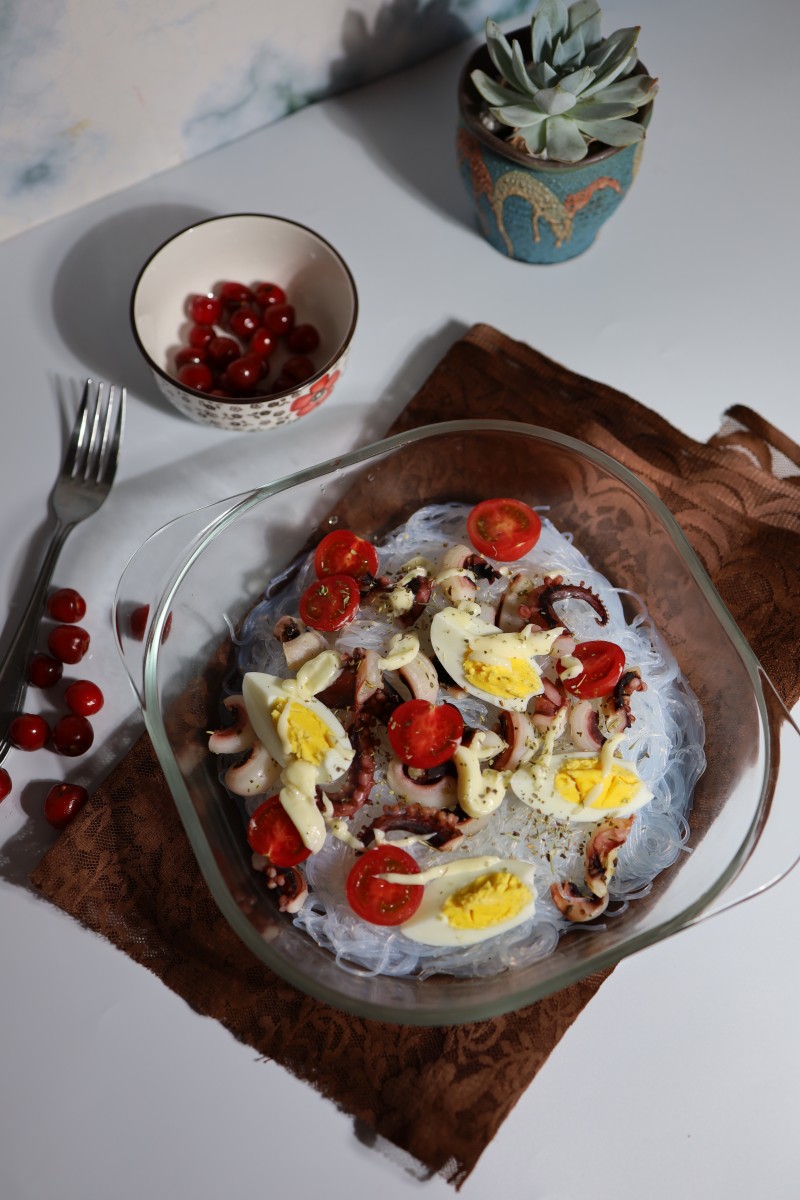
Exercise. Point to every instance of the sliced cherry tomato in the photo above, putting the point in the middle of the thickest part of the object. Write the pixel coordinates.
(377, 900)
(503, 529)
(344, 553)
(603, 664)
(423, 734)
(330, 603)
(273, 833)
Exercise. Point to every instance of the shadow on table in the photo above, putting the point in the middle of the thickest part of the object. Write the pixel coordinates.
(92, 292)
(409, 125)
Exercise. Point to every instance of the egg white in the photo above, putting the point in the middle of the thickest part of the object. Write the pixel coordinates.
(431, 927)
(261, 692)
(534, 784)
(454, 632)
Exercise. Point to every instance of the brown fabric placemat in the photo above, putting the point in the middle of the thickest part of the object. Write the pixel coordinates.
(125, 869)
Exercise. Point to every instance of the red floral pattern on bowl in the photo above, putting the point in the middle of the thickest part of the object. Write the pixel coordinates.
(316, 394)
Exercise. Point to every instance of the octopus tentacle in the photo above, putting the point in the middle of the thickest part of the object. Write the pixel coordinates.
(237, 736)
(555, 590)
(290, 885)
(349, 794)
(420, 819)
(602, 851)
(573, 905)
(430, 789)
(616, 708)
(585, 726)
(420, 587)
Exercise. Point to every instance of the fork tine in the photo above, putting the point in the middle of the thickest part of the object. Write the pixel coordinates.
(109, 467)
(78, 431)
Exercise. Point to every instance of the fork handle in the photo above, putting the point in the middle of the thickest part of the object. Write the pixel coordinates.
(14, 667)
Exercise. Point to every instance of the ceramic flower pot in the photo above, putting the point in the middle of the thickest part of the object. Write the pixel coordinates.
(536, 211)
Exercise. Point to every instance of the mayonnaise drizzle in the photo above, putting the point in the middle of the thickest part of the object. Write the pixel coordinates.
(459, 866)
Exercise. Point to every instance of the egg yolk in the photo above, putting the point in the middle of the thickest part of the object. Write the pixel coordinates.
(512, 682)
(577, 778)
(307, 736)
(486, 901)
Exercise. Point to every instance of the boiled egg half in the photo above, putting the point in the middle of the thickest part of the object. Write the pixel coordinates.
(471, 899)
(295, 726)
(581, 787)
(496, 666)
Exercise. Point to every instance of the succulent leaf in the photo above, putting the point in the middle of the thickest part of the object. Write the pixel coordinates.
(493, 92)
(554, 101)
(520, 73)
(576, 88)
(564, 140)
(613, 133)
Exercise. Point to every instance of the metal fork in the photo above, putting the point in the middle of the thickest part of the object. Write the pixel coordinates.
(82, 485)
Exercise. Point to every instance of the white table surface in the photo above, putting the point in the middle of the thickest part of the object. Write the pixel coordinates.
(684, 1068)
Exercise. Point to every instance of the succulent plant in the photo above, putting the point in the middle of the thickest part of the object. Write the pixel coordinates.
(576, 87)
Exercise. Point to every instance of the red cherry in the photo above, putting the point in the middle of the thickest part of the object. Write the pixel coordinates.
(304, 339)
(84, 698)
(66, 605)
(200, 336)
(222, 350)
(243, 322)
(279, 319)
(72, 735)
(5, 783)
(299, 368)
(62, 802)
(263, 342)
(68, 643)
(283, 384)
(204, 310)
(44, 671)
(189, 356)
(139, 619)
(243, 374)
(138, 623)
(28, 731)
(268, 294)
(196, 375)
(235, 293)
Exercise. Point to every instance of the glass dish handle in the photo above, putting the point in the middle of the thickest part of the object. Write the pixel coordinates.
(777, 850)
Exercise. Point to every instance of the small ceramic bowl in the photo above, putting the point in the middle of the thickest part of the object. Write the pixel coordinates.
(246, 248)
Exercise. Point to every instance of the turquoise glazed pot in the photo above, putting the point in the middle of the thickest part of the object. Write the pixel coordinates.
(541, 213)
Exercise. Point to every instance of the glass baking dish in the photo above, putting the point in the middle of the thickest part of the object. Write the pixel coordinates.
(212, 565)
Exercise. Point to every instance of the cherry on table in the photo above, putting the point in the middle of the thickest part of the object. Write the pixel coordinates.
(84, 698)
(204, 310)
(28, 731)
(5, 783)
(72, 735)
(62, 802)
(44, 671)
(68, 643)
(303, 339)
(279, 319)
(66, 605)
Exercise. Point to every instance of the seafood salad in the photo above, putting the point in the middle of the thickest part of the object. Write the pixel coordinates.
(453, 745)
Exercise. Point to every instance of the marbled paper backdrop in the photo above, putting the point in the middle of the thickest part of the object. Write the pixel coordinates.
(97, 94)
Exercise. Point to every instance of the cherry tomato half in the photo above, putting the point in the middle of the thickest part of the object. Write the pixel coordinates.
(603, 664)
(377, 900)
(503, 529)
(273, 833)
(344, 553)
(329, 603)
(423, 734)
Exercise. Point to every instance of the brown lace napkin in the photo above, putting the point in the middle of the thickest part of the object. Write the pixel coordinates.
(124, 867)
